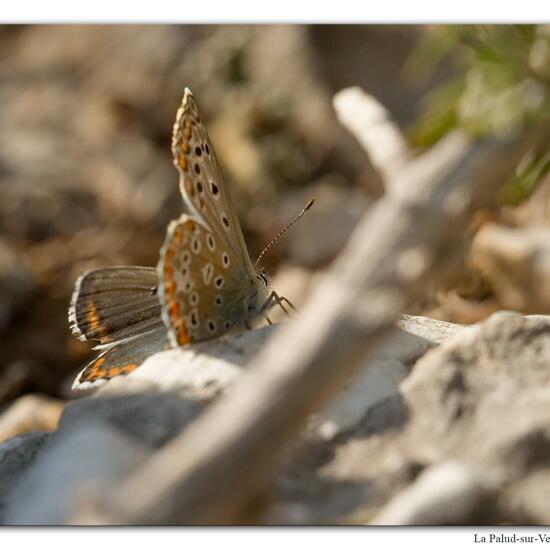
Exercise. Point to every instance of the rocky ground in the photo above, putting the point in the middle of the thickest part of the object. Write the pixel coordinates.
(446, 422)
(439, 427)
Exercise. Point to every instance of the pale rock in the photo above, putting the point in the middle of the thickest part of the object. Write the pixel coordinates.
(204, 371)
(444, 494)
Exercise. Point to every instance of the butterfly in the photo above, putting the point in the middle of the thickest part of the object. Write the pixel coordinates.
(204, 284)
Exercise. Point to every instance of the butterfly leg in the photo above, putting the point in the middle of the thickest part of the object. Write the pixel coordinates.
(283, 299)
(279, 302)
(274, 299)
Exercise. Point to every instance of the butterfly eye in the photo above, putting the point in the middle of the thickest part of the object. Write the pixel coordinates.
(262, 278)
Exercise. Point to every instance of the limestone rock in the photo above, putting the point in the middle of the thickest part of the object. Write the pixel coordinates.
(84, 458)
(464, 441)
(516, 262)
(203, 371)
(445, 424)
(16, 456)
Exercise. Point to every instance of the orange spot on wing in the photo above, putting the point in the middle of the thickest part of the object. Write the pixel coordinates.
(173, 310)
(97, 371)
(178, 234)
(182, 163)
(168, 271)
(93, 318)
(185, 148)
(183, 336)
(169, 288)
(119, 369)
(170, 253)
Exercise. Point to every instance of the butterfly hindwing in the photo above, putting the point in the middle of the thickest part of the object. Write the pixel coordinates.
(204, 288)
(122, 357)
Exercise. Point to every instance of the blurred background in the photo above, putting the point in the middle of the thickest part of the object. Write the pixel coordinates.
(86, 174)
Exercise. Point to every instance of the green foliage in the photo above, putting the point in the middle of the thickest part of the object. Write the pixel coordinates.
(502, 80)
(528, 176)
(501, 84)
(439, 114)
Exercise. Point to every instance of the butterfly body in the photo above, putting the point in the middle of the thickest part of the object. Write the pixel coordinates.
(204, 284)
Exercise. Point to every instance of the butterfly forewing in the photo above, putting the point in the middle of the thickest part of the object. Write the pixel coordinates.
(114, 303)
(201, 179)
(204, 288)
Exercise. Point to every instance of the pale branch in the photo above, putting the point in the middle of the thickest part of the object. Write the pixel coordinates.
(372, 126)
(210, 473)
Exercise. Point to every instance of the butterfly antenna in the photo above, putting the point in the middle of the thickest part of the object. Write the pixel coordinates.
(283, 231)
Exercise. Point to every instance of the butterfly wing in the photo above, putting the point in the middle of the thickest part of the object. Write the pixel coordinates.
(207, 280)
(114, 303)
(119, 307)
(122, 358)
(201, 179)
(205, 289)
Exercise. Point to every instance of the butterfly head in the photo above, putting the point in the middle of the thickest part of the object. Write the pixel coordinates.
(258, 295)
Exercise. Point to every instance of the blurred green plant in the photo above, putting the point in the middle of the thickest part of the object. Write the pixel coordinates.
(501, 84)
(528, 175)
